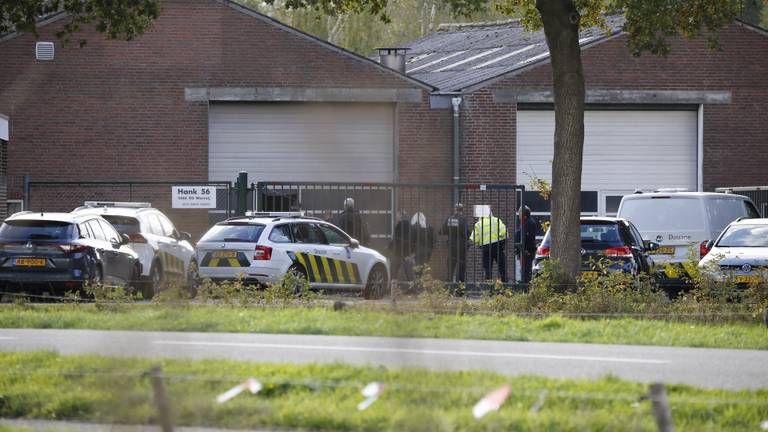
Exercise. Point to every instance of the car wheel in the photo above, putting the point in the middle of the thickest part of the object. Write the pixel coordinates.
(376, 287)
(299, 273)
(97, 278)
(134, 283)
(193, 278)
(154, 283)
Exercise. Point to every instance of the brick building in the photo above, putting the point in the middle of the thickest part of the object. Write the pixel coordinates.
(212, 88)
(695, 119)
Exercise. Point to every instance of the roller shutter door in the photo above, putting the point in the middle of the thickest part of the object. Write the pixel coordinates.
(312, 142)
(623, 150)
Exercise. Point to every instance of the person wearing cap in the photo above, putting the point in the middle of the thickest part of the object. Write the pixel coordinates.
(457, 230)
(351, 222)
(528, 230)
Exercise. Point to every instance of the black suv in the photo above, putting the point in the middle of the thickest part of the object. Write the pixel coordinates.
(50, 252)
(615, 240)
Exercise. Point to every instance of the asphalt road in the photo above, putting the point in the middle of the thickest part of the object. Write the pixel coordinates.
(708, 368)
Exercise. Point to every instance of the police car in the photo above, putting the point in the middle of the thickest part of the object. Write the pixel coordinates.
(165, 253)
(262, 247)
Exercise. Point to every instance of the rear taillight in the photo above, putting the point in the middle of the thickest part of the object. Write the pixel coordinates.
(263, 253)
(703, 251)
(137, 238)
(542, 252)
(73, 248)
(620, 251)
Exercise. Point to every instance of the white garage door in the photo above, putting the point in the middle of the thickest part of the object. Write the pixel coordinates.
(623, 150)
(302, 142)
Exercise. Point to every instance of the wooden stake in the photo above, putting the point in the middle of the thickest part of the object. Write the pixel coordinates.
(161, 398)
(661, 410)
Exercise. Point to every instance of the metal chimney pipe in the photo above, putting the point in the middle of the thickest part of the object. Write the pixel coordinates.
(393, 58)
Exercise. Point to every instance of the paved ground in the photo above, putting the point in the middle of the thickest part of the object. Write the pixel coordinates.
(709, 368)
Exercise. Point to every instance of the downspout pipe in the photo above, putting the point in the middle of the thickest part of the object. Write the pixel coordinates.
(456, 102)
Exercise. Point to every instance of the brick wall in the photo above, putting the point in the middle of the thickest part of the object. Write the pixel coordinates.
(735, 135)
(115, 110)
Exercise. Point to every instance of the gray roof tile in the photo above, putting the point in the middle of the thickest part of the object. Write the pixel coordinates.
(459, 56)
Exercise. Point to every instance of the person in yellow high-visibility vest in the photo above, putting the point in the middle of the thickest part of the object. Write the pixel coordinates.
(490, 234)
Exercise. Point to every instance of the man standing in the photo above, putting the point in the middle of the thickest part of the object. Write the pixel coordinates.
(490, 234)
(351, 222)
(457, 230)
(401, 248)
(527, 232)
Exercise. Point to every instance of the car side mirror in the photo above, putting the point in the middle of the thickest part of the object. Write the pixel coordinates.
(186, 236)
(124, 239)
(710, 244)
(651, 246)
(354, 244)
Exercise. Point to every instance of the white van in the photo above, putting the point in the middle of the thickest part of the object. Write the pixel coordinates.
(678, 221)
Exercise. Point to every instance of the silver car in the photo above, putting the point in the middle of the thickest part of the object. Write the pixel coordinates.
(740, 253)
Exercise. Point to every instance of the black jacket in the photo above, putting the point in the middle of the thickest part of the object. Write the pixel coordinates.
(457, 230)
(530, 228)
(351, 222)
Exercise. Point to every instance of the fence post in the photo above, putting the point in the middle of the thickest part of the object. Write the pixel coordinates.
(161, 398)
(25, 205)
(661, 410)
(765, 316)
(242, 193)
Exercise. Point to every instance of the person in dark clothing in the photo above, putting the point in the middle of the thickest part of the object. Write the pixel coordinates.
(401, 248)
(352, 223)
(457, 230)
(528, 230)
(422, 238)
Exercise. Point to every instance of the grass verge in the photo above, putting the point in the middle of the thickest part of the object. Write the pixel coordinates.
(361, 321)
(45, 385)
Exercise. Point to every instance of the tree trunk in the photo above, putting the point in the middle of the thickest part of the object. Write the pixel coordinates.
(561, 27)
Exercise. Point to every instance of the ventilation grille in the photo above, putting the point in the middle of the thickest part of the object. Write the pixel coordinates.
(44, 51)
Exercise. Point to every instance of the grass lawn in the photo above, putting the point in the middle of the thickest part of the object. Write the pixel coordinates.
(45, 385)
(365, 322)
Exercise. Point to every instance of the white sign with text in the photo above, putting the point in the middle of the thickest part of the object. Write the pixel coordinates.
(193, 197)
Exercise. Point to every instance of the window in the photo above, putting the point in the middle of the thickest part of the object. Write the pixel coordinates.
(306, 233)
(168, 228)
(281, 234)
(664, 214)
(109, 232)
(22, 230)
(153, 224)
(745, 236)
(98, 233)
(638, 239)
(84, 233)
(234, 232)
(723, 211)
(123, 224)
(333, 236)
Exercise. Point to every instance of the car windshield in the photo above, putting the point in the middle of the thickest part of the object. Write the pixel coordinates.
(124, 224)
(20, 230)
(664, 213)
(234, 232)
(745, 236)
(603, 233)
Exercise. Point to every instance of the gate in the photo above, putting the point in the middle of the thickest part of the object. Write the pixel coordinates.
(384, 205)
(64, 196)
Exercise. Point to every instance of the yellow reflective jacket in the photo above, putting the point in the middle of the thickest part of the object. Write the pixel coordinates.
(488, 229)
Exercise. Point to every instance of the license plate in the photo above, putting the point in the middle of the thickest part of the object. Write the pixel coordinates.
(663, 250)
(225, 254)
(747, 279)
(30, 262)
(589, 274)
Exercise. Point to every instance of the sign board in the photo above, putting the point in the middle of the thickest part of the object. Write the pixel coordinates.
(482, 210)
(193, 197)
(3, 128)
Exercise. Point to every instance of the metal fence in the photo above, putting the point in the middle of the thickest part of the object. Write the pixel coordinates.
(758, 195)
(63, 196)
(409, 223)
